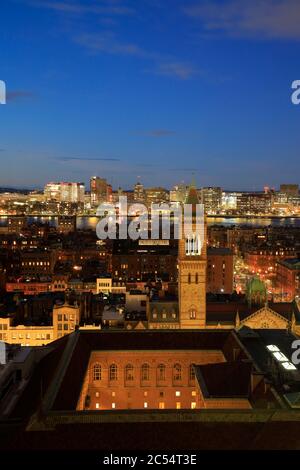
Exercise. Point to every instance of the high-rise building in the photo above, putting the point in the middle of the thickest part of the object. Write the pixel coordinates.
(99, 190)
(139, 192)
(65, 192)
(211, 197)
(290, 189)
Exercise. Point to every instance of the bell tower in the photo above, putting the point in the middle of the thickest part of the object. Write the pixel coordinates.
(192, 262)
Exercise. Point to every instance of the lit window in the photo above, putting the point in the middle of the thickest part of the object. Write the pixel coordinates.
(113, 405)
(97, 394)
(145, 394)
(161, 405)
(177, 394)
(97, 406)
(178, 405)
(145, 404)
(113, 394)
(194, 393)
(193, 405)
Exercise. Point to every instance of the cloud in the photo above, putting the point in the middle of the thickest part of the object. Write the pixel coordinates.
(69, 159)
(107, 8)
(18, 94)
(108, 43)
(267, 19)
(156, 133)
(175, 69)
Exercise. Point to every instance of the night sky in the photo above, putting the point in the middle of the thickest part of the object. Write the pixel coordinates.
(154, 90)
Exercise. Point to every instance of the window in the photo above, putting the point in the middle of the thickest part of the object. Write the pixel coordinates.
(97, 372)
(197, 278)
(161, 405)
(192, 313)
(191, 372)
(178, 405)
(113, 394)
(113, 372)
(177, 372)
(194, 393)
(129, 372)
(145, 372)
(97, 394)
(189, 278)
(97, 406)
(177, 393)
(193, 405)
(113, 405)
(145, 404)
(161, 372)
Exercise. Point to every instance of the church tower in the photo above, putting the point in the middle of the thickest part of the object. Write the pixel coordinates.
(192, 269)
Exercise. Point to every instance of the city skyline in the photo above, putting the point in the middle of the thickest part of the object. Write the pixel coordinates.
(155, 91)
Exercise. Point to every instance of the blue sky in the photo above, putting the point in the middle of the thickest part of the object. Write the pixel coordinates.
(154, 90)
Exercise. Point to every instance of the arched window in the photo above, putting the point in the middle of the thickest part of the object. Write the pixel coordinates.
(113, 372)
(129, 372)
(177, 372)
(193, 313)
(191, 372)
(145, 372)
(161, 372)
(97, 372)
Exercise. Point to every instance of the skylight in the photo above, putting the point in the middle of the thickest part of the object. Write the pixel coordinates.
(280, 357)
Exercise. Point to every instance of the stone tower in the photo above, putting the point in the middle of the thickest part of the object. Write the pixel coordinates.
(192, 270)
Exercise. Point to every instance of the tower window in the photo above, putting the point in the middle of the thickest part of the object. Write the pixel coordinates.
(192, 314)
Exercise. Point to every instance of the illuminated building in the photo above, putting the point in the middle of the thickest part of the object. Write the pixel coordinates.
(211, 197)
(263, 260)
(290, 189)
(288, 278)
(219, 270)
(139, 194)
(99, 190)
(66, 224)
(156, 195)
(183, 390)
(192, 264)
(254, 203)
(65, 319)
(65, 192)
